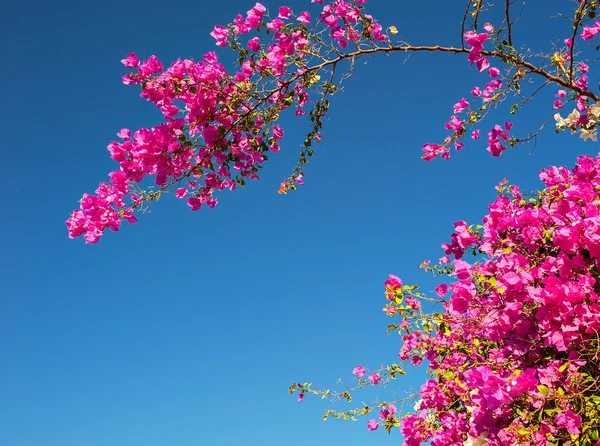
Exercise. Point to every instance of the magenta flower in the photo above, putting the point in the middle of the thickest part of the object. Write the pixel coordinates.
(589, 32)
(131, 61)
(284, 12)
(359, 371)
(304, 17)
(460, 106)
(389, 411)
(462, 269)
(254, 44)
(393, 282)
(412, 303)
(195, 203)
(277, 133)
(374, 378)
(569, 420)
(373, 424)
(275, 24)
(493, 72)
(416, 360)
(124, 134)
(220, 33)
(254, 16)
(441, 290)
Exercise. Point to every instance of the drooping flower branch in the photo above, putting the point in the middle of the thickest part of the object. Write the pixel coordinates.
(220, 126)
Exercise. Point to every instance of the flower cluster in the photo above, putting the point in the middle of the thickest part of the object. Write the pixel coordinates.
(219, 126)
(515, 356)
(497, 137)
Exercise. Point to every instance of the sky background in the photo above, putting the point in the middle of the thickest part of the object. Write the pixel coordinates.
(187, 328)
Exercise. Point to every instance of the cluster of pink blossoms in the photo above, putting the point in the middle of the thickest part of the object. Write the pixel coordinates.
(167, 151)
(497, 136)
(217, 133)
(515, 356)
(589, 32)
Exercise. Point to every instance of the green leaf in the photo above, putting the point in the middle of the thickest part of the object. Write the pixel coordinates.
(543, 389)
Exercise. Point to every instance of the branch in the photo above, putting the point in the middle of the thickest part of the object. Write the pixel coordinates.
(463, 24)
(579, 15)
(449, 49)
(508, 22)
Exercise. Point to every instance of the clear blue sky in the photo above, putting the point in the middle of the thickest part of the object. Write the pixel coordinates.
(187, 328)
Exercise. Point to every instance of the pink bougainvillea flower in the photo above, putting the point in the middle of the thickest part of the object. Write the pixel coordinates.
(220, 34)
(131, 61)
(284, 12)
(195, 203)
(441, 290)
(416, 360)
(255, 15)
(374, 378)
(389, 411)
(412, 303)
(277, 133)
(460, 106)
(254, 44)
(569, 420)
(359, 371)
(275, 24)
(393, 282)
(589, 32)
(124, 134)
(389, 309)
(372, 425)
(304, 17)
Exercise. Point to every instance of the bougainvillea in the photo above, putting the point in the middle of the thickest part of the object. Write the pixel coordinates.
(514, 357)
(514, 354)
(220, 126)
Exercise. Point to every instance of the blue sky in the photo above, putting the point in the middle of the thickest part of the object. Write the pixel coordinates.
(187, 328)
